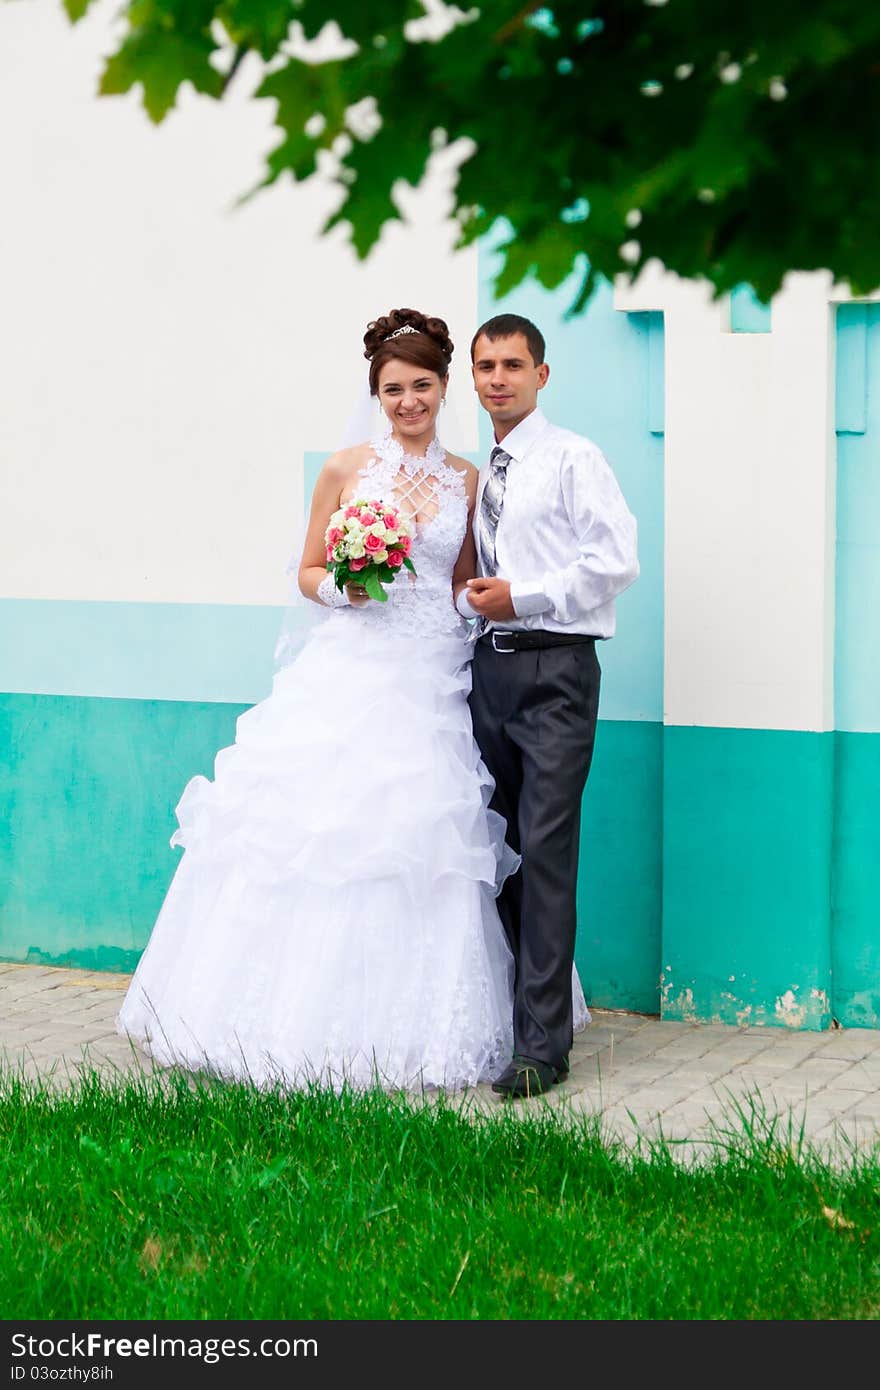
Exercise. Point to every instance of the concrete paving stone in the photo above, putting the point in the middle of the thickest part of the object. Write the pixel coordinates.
(719, 1031)
(665, 1098)
(834, 1101)
(18, 1013)
(77, 1035)
(589, 1046)
(617, 1019)
(857, 1077)
(20, 1037)
(29, 972)
(42, 985)
(634, 1050)
(680, 1053)
(820, 1065)
(865, 1108)
(675, 1028)
(852, 1043)
(737, 1052)
(703, 1101)
(705, 1076)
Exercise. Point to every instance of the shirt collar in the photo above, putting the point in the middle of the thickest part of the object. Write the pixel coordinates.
(523, 436)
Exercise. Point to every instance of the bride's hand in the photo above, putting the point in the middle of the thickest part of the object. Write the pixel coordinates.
(357, 595)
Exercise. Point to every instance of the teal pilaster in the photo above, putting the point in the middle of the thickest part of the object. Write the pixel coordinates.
(747, 876)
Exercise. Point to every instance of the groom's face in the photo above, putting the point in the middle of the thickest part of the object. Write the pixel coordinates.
(507, 379)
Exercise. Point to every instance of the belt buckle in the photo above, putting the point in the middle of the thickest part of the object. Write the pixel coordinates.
(505, 651)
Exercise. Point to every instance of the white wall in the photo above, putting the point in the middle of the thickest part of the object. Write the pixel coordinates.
(750, 507)
(165, 361)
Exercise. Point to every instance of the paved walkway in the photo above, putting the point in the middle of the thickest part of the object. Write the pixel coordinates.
(644, 1076)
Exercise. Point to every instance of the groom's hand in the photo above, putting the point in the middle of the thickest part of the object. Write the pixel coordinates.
(491, 598)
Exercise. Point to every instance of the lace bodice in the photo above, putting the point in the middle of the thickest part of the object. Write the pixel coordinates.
(431, 494)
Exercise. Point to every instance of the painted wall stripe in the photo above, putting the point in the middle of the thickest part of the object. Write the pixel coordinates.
(153, 651)
(857, 597)
(656, 373)
(852, 375)
(87, 796)
(856, 881)
(747, 313)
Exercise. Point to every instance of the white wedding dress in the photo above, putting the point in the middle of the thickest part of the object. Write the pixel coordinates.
(333, 918)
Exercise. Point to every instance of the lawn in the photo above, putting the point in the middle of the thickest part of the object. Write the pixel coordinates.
(146, 1198)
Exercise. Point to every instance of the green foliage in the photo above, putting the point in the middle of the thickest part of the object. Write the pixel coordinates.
(735, 142)
(372, 577)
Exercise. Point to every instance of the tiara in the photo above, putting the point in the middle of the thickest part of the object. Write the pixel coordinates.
(407, 328)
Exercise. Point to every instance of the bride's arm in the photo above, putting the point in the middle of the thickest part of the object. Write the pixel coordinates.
(466, 564)
(325, 500)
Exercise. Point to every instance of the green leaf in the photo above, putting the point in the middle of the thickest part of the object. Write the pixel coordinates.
(161, 61)
(76, 9)
(259, 24)
(373, 586)
(409, 564)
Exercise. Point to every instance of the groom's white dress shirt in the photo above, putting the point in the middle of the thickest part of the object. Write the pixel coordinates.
(566, 539)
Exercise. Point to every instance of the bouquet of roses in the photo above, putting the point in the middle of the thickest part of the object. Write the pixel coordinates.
(368, 543)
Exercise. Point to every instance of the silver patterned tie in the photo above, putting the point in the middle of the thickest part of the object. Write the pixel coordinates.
(490, 510)
(487, 525)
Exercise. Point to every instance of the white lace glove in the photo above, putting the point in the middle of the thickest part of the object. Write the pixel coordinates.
(329, 595)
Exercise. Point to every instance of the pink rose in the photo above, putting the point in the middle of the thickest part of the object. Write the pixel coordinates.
(395, 558)
(391, 520)
(373, 543)
(357, 564)
(367, 518)
(351, 511)
(329, 554)
(405, 544)
(334, 534)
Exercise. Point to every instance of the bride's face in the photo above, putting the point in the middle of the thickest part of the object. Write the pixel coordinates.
(411, 397)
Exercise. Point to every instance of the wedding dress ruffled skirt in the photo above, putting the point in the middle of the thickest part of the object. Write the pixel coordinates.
(334, 917)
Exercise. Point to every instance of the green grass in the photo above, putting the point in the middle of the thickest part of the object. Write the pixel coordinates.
(168, 1198)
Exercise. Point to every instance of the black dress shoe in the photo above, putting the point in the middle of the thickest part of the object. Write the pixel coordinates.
(527, 1076)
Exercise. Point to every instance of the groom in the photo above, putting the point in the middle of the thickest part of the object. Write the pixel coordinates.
(556, 544)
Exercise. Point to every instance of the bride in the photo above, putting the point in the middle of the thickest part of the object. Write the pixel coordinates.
(333, 918)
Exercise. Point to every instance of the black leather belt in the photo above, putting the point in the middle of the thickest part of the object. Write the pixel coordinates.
(501, 641)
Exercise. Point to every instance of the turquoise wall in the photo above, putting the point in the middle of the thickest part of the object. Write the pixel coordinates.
(747, 876)
(87, 795)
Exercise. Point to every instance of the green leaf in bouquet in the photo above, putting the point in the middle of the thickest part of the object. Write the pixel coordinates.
(409, 564)
(373, 586)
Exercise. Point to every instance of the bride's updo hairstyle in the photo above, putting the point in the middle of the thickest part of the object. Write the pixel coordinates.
(410, 337)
